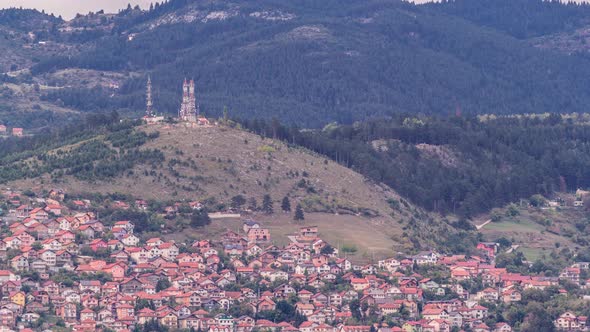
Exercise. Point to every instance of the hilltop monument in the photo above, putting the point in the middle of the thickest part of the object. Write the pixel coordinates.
(189, 109)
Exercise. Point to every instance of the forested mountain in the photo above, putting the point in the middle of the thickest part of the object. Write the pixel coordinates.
(28, 19)
(457, 165)
(522, 18)
(310, 63)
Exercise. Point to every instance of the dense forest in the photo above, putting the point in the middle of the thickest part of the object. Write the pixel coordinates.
(329, 61)
(521, 19)
(462, 165)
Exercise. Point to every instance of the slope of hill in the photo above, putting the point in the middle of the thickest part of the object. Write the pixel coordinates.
(522, 19)
(27, 19)
(552, 25)
(546, 233)
(26, 37)
(214, 165)
(309, 63)
(222, 162)
(462, 165)
(570, 42)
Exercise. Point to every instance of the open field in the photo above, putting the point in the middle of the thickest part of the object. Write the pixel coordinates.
(516, 226)
(532, 254)
(372, 237)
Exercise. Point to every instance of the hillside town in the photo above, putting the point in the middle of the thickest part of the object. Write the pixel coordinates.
(64, 267)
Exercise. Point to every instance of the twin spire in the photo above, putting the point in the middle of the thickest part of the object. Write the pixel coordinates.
(189, 110)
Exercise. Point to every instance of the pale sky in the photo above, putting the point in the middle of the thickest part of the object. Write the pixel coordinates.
(69, 8)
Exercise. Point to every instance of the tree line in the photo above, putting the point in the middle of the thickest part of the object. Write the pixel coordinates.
(454, 164)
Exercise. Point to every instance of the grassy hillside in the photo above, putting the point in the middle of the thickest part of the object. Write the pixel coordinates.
(224, 162)
(370, 239)
(541, 233)
(171, 162)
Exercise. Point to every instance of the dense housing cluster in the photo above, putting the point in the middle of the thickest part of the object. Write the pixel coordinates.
(63, 266)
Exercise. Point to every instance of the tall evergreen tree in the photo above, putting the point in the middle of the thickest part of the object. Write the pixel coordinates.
(238, 201)
(299, 215)
(286, 204)
(267, 204)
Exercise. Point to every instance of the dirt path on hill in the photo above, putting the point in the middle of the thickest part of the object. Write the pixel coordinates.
(478, 227)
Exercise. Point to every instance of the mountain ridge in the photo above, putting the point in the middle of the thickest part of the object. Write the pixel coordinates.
(303, 63)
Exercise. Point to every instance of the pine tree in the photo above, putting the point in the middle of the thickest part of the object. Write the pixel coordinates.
(267, 205)
(286, 204)
(237, 202)
(299, 215)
